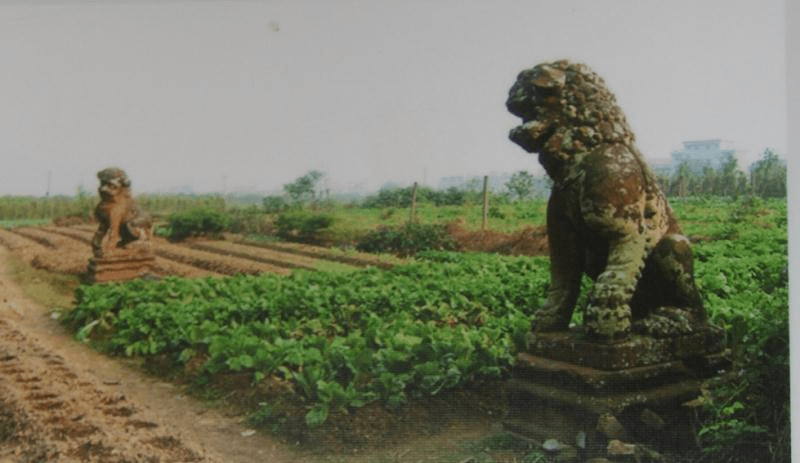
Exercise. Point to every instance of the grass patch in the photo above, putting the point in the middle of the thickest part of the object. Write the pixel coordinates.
(52, 290)
(10, 224)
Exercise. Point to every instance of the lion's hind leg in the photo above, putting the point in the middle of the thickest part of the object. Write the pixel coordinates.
(667, 301)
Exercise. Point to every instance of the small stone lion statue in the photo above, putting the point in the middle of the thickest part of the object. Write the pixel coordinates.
(606, 216)
(125, 229)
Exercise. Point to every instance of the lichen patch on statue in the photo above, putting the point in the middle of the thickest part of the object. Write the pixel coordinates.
(606, 217)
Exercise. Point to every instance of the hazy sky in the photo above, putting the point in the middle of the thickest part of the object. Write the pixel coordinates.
(251, 95)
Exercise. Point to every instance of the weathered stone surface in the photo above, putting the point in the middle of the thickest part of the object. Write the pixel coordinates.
(635, 351)
(553, 398)
(624, 451)
(606, 217)
(551, 445)
(125, 229)
(652, 419)
(567, 455)
(610, 426)
(646, 343)
(617, 448)
(121, 246)
(118, 269)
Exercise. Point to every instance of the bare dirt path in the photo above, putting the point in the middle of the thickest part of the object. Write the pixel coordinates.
(62, 402)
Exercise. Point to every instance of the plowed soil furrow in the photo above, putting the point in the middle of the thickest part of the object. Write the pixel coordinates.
(58, 255)
(35, 235)
(57, 414)
(74, 233)
(360, 260)
(19, 243)
(267, 256)
(214, 262)
(207, 261)
(238, 247)
(163, 266)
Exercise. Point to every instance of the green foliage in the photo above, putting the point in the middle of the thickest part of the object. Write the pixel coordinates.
(769, 176)
(401, 197)
(11, 224)
(274, 203)
(249, 220)
(407, 240)
(304, 188)
(767, 179)
(745, 285)
(521, 184)
(163, 205)
(448, 319)
(41, 208)
(341, 340)
(195, 222)
(303, 226)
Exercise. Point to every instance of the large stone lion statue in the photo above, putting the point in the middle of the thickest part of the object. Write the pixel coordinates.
(122, 221)
(606, 215)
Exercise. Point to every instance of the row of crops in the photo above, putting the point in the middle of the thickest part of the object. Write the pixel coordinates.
(443, 321)
(343, 340)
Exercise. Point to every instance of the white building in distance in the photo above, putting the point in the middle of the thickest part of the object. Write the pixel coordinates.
(702, 153)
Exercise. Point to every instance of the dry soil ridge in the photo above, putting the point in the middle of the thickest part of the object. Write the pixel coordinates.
(63, 402)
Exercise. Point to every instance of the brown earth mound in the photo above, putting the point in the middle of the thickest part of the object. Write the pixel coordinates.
(530, 241)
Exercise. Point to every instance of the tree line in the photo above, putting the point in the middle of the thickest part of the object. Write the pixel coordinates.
(767, 178)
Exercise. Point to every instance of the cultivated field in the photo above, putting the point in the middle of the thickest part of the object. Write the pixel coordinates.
(349, 353)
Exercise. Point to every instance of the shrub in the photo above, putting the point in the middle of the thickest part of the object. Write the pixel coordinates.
(196, 222)
(249, 220)
(274, 203)
(302, 226)
(408, 239)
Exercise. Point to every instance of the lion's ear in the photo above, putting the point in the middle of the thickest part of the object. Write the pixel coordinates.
(549, 77)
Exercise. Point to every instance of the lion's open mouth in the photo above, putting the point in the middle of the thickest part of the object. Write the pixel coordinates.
(531, 134)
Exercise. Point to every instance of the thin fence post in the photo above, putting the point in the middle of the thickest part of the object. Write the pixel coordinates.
(485, 202)
(413, 217)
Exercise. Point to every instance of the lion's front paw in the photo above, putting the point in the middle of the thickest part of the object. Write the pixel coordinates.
(549, 319)
(665, 321)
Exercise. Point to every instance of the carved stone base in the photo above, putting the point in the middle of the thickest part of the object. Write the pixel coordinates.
(637, 350)
(118, 268)
(565, 386)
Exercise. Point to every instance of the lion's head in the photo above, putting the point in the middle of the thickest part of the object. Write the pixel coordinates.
(113, 183)
(566, 109)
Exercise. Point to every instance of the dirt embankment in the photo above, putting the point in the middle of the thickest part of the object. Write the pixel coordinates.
(530, 241)
(62, 402)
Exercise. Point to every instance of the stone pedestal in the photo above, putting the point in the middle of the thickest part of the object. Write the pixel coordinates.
(119, 268)
(565, 386)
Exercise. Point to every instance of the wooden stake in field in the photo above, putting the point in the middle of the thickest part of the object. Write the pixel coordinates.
(485, 202)
(413, 216)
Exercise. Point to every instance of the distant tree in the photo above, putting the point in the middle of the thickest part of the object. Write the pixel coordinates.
(274, 203)
(304, 188)
(682, 180)
(521, 184)
(475, 184)
(741, 182)
(708, 181)
(728, 176)
(768, 176)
